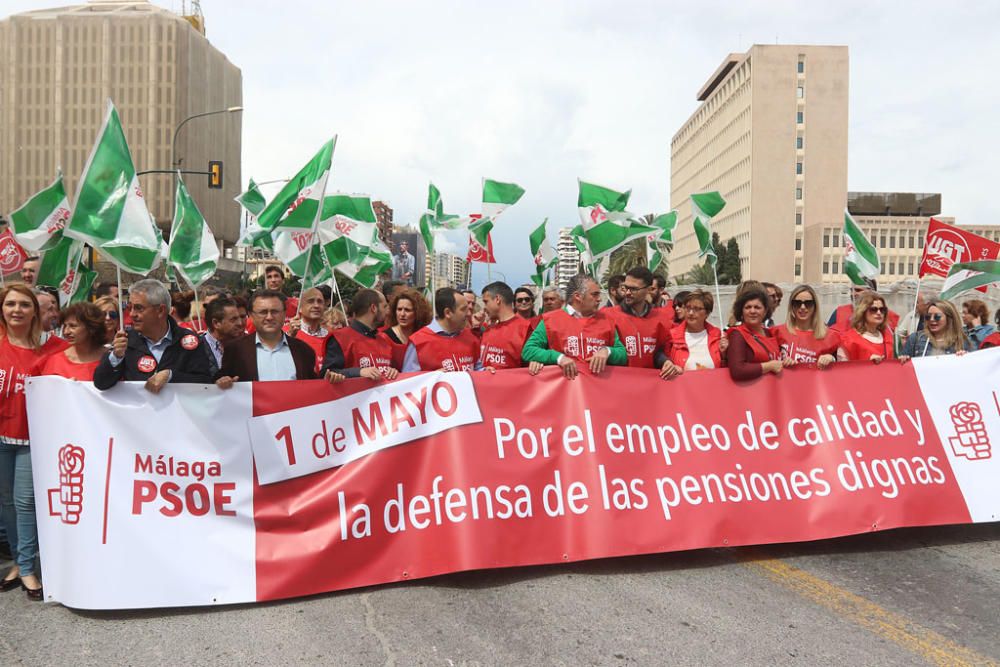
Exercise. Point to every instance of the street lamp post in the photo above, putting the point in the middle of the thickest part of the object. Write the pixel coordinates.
(174, 162)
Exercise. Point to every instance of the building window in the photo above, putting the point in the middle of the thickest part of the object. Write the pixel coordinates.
(909, 268)
(913, 240)
(836, 240)
(798, 244)
(802, 67)
(800, 92)
(798, 218)
(799, 117)
(920, 241)
(826, 238)
(798, 269)
(826, 266)
(798, 167)
(799, 142)
(882, 239)
(892, 241)
(892, 267)
(798, 193)
(836, 266)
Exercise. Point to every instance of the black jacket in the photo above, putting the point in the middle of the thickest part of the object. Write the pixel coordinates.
(187, 365)
(239, 359)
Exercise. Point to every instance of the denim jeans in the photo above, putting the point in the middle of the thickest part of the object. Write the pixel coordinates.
(17, 505)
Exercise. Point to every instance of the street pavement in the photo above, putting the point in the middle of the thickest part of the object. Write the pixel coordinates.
(904, 597)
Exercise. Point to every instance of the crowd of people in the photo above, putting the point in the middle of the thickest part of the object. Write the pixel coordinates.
(162, 338)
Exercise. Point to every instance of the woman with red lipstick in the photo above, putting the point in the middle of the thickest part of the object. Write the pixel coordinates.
(869, 337)
(942, 333)
(753, 351)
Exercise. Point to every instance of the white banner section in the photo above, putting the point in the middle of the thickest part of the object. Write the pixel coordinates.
(318, 437)
(966, 415)
(132, 488)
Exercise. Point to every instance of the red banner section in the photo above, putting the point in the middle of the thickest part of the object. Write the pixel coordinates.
(621, 464)
(946, 245)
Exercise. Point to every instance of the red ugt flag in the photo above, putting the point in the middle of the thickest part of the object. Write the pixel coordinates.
(12, 255)
(946, 244)
(478, 253)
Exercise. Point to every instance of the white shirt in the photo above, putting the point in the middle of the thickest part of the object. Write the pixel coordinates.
(699, 356)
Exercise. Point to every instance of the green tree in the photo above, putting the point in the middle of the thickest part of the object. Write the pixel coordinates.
(630, 255)
(731, 269)
(701, 274)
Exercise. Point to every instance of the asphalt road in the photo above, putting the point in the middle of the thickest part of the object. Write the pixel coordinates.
(896, 598)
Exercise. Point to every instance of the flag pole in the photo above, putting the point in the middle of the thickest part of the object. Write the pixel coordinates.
(121, 310)
(340, 299)
(197, 308)
(718, 297)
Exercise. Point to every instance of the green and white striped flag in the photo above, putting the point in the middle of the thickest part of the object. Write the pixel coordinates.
(38, 223)
(292, 247)
(59, 268)
(964, 276)
(435, 219)
(861, 260)
(297, 205)
(347, 229)
(252, 200)
(376, 262)
(606, 223)
(497, 197)
(704, 207)
(541, 249)
(655, 243)
(110, 212)
(252, 235)
(193, 251)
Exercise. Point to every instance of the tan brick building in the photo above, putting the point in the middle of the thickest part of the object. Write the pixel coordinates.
(771, 136)
(57, 69)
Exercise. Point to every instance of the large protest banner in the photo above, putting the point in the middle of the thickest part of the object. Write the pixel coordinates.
(198, 496)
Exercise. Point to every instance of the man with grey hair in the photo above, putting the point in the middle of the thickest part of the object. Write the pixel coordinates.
(577, 332)
(551, 299)
(156, 350)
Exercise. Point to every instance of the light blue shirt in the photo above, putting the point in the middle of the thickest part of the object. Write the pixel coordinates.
(156, 348)
(276, 364)
(410, 362)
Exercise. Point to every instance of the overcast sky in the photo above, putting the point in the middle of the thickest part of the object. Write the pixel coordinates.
(543, 92)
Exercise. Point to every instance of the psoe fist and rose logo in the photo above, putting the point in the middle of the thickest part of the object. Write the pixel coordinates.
(66, 500)
(971, 439)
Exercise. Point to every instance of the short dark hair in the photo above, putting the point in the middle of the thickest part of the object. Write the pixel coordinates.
(614, 282)
(363, 300)
(747, 295)
(445, 299)
(641, 273)
(660, 280)
(90, 318)
(389, 285)
(104, 289)
(216, 310)
(469, 291)
(681, 298)
(266, 294)
(241, 302)
(502, 290)
(181, 302)
(525, 290)
(326, 291)
(271, 268)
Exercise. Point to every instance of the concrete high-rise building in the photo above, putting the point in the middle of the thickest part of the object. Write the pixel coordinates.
(568, 264)
(771, 136)
(59, 66)
(449, 270)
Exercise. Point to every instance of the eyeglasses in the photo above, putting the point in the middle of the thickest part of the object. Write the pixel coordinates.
(629, 288)
(694, 309)
(874, 310)
(524, 299)
(936, 317)
(268, 313)
(111, 315)
(803, 303)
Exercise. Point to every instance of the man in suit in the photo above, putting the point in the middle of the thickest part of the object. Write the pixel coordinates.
(225, 325)
(156, 350)
(268, 354)
(404, 266)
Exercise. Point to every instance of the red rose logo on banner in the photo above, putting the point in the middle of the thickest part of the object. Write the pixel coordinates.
(66, 500)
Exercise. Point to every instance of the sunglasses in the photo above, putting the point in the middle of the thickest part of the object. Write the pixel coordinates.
(111, 315)
(936, 317)
(877, 309)
(524, 299)
(803, 303)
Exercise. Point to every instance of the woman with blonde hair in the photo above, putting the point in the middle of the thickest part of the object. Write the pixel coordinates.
(109, 307)
(868, 338)
(334, 319)
(942, 333)
(21, 352)
(803, 337)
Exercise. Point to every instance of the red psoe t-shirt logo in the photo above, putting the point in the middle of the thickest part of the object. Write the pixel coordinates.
(66, 500)
(971, 439)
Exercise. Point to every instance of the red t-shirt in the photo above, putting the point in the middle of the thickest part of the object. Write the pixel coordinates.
(502, 343)
(802, 346)
(859, 348)
(360, 351)
(578, 337)
(16, 365)
(316, 343)
(61, 365)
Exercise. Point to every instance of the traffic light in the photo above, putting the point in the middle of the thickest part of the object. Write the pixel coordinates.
(215, 174)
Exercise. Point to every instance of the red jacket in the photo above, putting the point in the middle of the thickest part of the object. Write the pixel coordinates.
(679, 351)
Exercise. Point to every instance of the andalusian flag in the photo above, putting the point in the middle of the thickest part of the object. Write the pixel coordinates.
(654, 252)
(704, 207)
(252, 200)
(860, 257)
(297, 206)
(110, 212)
(541, 249)
(60, 268)
(969, 275)
(297, 249)
(38, 224)
(497, 197)
(252, 235)
(193, 251)
(347, 229)
(606, 223)
(377, 261)
(435, 219)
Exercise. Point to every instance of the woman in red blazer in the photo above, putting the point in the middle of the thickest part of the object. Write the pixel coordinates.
(694, 343)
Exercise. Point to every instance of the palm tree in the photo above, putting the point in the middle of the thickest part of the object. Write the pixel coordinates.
(701, 274)
(628, 256)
